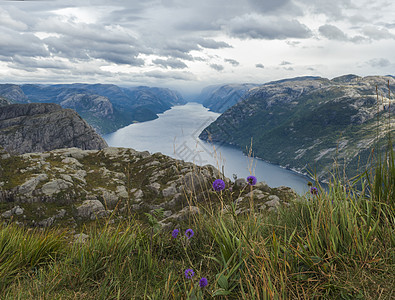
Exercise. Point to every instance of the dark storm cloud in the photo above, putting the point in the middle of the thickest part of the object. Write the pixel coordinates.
(171, 63)
(270, 28)
(332, 33)
(233, 62)
(260, 66)
(217, 67)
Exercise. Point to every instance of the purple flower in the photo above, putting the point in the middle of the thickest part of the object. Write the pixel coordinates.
(314, 191)
(251, 180)
(189, 233)
(175, 233)
(189, 273)
(203, 282)
(218, 185)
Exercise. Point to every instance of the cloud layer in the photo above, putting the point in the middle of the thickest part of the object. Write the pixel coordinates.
(171, 42)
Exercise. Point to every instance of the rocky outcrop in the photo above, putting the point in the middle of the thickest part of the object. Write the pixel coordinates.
(306, 123)
(13, 92)
(37, 127)
(71, 187)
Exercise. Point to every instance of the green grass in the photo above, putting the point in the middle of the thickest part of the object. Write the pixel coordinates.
(338, 244)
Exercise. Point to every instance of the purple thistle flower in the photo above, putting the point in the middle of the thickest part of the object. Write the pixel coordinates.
(189, 273)
(314, 191)
(251, 180)
(218, 185)
(189, 233)
(203, 282)
(175, 233)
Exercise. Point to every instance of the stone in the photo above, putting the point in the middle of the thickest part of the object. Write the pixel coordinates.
(240, 182)
(46, 222)
(90, 208)
(185, 213)
(28, 187)
(154, 187)
(72, 161)
(17, 210)
(122, 192)
(55, 186)
(80, 238)
(274, 201)
(169, 191)
(7, 214)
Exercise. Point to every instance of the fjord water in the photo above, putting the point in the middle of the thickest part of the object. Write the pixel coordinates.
(175, 133)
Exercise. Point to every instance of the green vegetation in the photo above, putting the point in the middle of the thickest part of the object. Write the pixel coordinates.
(338, 244)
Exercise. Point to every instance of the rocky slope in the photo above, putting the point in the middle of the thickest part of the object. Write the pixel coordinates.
(37, 127)
(306, 123)
(4, 101)
(105, 107)
(72, 187)
(220, 98)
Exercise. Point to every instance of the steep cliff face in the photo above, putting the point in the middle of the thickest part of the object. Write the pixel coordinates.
(307, 123)
(37, 127)
(220, 98)
(4, 101)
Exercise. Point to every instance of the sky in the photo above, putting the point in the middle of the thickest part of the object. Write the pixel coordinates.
(189, 44)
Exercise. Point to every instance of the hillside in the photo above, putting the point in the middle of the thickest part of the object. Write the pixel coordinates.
(220, 98)
(36, 127)
(105, 107)
(306, 123)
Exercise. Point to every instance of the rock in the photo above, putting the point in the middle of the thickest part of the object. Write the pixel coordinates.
(38, 127)
(110, 199)
(186, 213)
(167, 213)
(7, 214)
(28, 187)
(74, 163)
(170, 191)
(138, 194)
(154, 187)
(274, 201)
(240, 182)
(90, 209)
(55, 186)
(122, 192)
(80, 238)
(17, 210)
(263, 186)
(46, 222)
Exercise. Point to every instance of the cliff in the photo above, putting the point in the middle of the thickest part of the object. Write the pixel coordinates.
(37, 127)
(306, 124)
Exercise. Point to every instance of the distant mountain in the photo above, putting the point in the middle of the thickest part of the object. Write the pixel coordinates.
(220, 97)
(106, 107)
(37, 127)
(306, 123)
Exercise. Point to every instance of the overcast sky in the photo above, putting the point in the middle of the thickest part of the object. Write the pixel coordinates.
(189, 44)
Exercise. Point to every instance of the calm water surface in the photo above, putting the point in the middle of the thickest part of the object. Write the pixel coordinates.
(175, 133)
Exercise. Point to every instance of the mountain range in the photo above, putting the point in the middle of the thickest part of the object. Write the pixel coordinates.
(307, 123)
(106, 107)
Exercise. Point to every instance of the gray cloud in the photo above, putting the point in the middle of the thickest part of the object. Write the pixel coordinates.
(187, 76)
(257, 27)
(260, 66)
(376, 33)
(233, 62)
(212, 44)
(284, 63)
(379, 62)
(171, 63)
(332, 33)
(217, 67)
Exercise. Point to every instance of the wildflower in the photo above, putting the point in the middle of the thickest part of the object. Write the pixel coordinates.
(218, 185)
(189, 233)
(251, 180)
(314, 191)
(175, 233)
(203, 282)
(189, 273)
